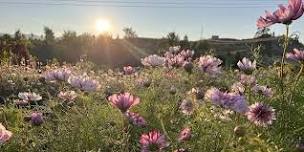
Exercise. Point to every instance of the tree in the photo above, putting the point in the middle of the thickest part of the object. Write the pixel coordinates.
(263, 33)
(129, 33)
(49, 36)
(173, 39)
(185, 44)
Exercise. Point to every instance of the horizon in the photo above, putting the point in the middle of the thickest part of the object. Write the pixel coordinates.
(150, 19)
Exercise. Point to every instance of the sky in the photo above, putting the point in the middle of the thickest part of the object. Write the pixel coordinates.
(149, 18)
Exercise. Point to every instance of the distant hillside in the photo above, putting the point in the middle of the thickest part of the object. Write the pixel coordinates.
(229, 50)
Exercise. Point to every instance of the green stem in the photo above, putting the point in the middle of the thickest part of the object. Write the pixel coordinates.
(296, 81)
(299, 74)
(283, 60)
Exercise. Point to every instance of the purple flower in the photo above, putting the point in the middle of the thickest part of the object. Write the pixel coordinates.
(247, 66)
(36, 118)
(187, 107)
(214, 95)
(128, 70)
(184, 135)
(233, 101)
(153, 141)
(261, 114)
(123, 101)
(153, 61)
(210, 65)
(284, 14)
(264, 90)
(61, 74)
(296, 55)
(5, 135)
(84, 83)
(136, 119)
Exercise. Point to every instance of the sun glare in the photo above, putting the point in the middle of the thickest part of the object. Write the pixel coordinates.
(103, 25)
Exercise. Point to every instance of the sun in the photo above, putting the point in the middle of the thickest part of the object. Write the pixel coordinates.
(103, 25)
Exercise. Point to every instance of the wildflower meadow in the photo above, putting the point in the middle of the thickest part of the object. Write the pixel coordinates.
(177, 101)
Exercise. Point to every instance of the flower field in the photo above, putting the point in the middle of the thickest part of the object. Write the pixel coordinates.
(173, 102)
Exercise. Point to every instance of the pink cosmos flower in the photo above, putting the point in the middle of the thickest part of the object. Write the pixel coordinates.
(261, 114)
(36, 118)
(284, 14)
(123, 101)
(153, 61)
(61, 74)
(296, 55)
(68, 96)
(128, 70)
(210, 65)
(264, 90)
(84, 83)
(136, 119)
(185, 134)
(178, 58)
(246, 65)
(29, 96)
(5, 135)
(153, 141)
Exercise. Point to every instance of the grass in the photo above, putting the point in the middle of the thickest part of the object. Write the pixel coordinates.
(92, 124)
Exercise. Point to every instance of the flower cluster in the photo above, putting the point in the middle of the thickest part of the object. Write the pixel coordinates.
(229, 100)
(153, 61)
(176, 57)
(84, 82)
(210, 65)
(284, 14)
(61, 74)
(124, 102)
